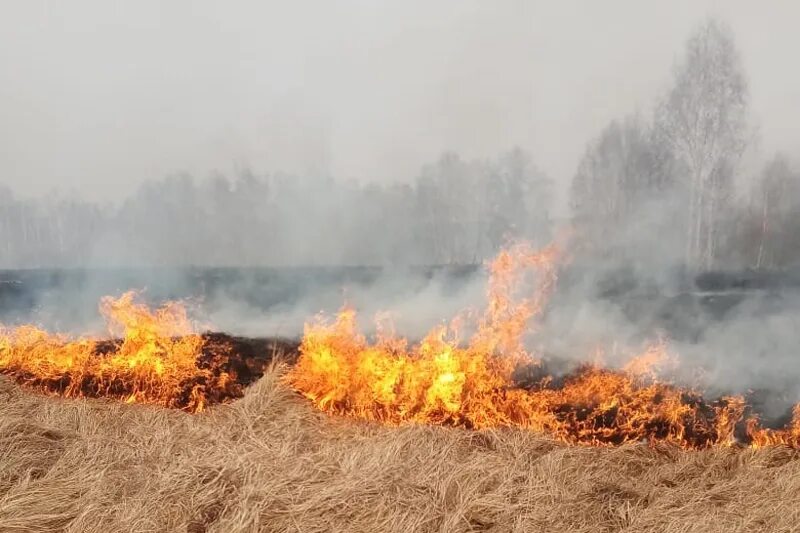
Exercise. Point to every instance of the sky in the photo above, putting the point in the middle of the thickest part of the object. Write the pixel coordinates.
(98, 96)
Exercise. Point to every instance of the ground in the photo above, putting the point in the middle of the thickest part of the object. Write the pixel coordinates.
(270, 462)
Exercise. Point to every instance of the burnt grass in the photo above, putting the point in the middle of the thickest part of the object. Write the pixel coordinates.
(228, 364)
(699, 425)
(245, 359)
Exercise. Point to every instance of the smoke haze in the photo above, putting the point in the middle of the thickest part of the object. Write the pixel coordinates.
(271, 161)
(97, 96)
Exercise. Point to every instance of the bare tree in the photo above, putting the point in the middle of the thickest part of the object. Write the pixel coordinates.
(703, 118)
(618, 172)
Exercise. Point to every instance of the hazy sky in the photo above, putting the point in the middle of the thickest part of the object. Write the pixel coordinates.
(98, 96)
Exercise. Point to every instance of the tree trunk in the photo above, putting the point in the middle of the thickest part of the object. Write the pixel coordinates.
(764, 227)
(709, 251)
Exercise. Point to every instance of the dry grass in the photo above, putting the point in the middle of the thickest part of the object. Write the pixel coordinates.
(269, 462)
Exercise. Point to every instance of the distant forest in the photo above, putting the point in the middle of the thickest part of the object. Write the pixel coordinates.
(664, 187)
(455, 212)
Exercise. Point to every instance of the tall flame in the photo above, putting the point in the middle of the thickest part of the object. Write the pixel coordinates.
(436, 380)
(443, 381)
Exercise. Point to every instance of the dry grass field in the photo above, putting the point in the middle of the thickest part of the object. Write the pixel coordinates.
(270, 462)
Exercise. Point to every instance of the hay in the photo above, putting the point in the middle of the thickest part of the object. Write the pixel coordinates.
(269, 462)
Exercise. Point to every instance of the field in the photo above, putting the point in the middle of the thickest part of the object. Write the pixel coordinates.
(270, 462)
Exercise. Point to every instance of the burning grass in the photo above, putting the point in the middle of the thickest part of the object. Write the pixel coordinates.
(445, 381)
(156, 357)
(149, 356)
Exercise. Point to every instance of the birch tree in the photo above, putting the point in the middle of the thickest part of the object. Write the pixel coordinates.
(703, 118)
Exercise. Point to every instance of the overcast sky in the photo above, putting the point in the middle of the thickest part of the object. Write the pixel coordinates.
(97, 96)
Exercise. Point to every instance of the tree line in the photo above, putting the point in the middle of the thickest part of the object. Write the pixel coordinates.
(667, 184)
(455, 212)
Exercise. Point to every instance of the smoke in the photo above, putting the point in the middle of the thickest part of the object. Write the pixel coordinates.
(252, 302)
(730, 333)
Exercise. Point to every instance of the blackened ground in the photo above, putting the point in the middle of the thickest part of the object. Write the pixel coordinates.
(700, 425)
(245, 359)
(226, 366)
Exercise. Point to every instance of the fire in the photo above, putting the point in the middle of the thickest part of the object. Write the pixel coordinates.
(789, 435)
(441, 380)
(154, 362)
(473, 372)
(437, 380)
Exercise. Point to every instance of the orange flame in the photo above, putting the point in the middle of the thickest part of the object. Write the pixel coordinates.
(437, 380)
(441, 381)
(155, 362)
(789, 436)
(153, 357)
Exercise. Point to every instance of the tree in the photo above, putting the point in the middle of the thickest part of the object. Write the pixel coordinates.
(703, 118)
(467, 209)
(451, 205)
(619, 171)
(520, 196)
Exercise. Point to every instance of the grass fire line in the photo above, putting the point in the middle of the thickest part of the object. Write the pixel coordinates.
(157, 357)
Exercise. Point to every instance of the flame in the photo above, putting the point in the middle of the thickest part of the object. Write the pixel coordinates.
(154, 356)
(155, 361)
(437, 380)
(789, 436)
(443, 381)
